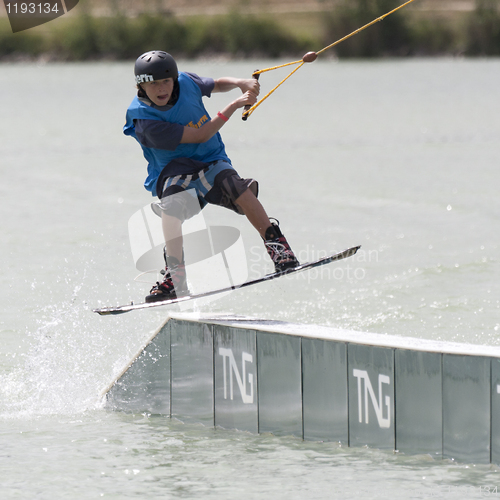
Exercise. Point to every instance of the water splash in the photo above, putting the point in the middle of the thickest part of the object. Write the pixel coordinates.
(73, 354)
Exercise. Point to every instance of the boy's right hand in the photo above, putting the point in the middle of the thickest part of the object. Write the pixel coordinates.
(248, 98)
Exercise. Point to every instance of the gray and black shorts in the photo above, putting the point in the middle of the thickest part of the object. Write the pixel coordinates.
(183, 196)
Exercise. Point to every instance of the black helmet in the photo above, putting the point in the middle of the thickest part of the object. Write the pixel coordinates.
(155, 65)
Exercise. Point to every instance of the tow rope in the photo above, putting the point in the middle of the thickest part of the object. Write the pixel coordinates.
(308, 58)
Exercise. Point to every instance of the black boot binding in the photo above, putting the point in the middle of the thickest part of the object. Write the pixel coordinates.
(278, 249)
(174, 282)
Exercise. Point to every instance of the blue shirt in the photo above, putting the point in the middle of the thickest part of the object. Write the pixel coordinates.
(159, 131)
(167, 135)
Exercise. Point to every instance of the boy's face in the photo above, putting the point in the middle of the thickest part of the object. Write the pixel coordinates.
(159, 91)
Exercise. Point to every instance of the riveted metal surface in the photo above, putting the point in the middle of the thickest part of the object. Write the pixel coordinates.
(466, 408)
(279, 377)
(145, 386)
(324, 379)
(192, 372)
(235, 358)
(371, 396)
(419, 409)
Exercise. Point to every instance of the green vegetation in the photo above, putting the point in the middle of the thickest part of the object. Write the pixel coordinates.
(388, 37)
(483, 29)
(85, 37)
(406, 32)
(28, 43)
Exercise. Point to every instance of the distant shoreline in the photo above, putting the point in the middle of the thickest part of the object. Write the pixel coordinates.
(238, 35)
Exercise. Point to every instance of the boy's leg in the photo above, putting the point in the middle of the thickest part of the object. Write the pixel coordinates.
(172, 232)
(276, 244)
(254, 212)
(174, 280)
(231, 191)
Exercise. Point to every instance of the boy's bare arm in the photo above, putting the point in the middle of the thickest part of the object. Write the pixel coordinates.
(227, 83)
(208, 130)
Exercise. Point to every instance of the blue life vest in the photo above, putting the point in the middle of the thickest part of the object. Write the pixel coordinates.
(188, 111)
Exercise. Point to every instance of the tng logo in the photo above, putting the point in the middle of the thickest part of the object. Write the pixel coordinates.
(228, 360)
(378, 406)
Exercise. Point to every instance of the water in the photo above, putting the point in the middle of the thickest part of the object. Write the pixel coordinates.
(400, 157)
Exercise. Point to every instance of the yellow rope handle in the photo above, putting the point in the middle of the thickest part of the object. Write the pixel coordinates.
(258, 72)
(302, 61)
(248, 112)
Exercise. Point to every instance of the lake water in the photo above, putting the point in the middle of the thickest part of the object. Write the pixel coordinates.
(399, 156)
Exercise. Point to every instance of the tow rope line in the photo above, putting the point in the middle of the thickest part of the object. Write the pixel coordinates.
(308, 58)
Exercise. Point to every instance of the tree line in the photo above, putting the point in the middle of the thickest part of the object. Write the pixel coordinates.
(118, 37)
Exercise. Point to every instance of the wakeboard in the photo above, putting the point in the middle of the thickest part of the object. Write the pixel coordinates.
(268, 277)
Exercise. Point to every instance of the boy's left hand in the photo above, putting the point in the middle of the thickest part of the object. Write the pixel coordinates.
(250, 85)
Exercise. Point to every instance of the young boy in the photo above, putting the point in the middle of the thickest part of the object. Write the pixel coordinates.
(185, 151)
